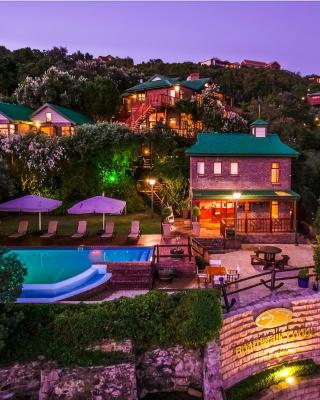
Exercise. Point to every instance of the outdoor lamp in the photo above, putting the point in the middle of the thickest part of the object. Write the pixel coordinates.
(236, 195)
(152, 181)
(290, 380)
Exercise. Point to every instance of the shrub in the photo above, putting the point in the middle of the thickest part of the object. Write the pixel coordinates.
(196, 212)
(303, 273)
(12, 273)
(200, 262)
(64, 332)
(263, 380)
(316, 258)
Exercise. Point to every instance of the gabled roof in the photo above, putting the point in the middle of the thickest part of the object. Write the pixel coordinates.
(68, 113)
(15, 112)
(313, 94)
(259, 122)
(166, 81)
(240, 144)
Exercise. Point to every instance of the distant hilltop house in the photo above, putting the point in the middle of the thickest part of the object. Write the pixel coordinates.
(50, 118)
(216, 62)
(154, 101)
(314, 99)
(314, 78)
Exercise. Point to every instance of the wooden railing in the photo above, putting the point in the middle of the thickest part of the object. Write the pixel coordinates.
(161, 100)
(258, 225)
(270, 283)
(158, 256)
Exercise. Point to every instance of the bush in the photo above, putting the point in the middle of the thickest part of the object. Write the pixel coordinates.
(64, 332)
(12, 273)
(251, 386)
(200, 262)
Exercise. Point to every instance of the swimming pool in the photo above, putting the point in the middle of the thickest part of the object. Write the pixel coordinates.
(57, 273)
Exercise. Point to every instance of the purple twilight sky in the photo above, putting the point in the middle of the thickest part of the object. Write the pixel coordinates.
(177, 31)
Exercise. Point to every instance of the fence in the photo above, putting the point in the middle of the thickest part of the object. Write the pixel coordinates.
(270, 283)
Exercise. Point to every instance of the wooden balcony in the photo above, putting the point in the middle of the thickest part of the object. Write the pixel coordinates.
(259, 225)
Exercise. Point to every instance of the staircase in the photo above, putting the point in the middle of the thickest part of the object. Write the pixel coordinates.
(210, 245)
(144, 188)
(138, 115)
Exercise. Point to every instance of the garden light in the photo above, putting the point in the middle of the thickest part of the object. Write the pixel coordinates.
(290, 380)
(284, 373)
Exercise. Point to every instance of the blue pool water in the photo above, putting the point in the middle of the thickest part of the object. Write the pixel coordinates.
(48, 266)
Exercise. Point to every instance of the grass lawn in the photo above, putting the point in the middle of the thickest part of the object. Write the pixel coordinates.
(67, 225)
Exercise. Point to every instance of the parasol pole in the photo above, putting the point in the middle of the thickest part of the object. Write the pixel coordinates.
(39, 221)
(103, 220)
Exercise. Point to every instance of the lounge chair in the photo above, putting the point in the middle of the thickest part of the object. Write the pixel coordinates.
(135, 231)
(52, 230)
(22, 230)
(81, 231)
(202, 275)
(108, 231)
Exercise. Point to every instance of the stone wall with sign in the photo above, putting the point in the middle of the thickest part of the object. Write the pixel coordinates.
(247, 348)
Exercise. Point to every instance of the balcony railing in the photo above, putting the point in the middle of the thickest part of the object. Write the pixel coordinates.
(161, 100)
(258, 225)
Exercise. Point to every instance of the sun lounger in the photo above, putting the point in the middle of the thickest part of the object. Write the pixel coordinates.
(52, 230)
(135, 231)
(22, 230)
(81, 231)
(108, 231)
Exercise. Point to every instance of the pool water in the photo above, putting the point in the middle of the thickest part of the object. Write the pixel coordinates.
(56, 265)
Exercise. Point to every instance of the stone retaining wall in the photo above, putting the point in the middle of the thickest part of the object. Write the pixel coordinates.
(172, 369)
(247, 349)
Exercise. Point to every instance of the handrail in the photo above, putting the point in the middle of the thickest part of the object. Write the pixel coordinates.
(170, 246)
(273, 279)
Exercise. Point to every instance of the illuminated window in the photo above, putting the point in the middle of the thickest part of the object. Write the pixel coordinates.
(234, 168)
(4, 129)
(200, 168)
(275, 172)
(141, 97)
(173, 122)
(274, 209)
(48, 117)
(217, 168)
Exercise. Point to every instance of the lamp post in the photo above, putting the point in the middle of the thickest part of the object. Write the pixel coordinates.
(152, 181)
(236, 196)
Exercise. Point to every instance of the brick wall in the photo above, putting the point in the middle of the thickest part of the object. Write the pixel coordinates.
(240, 329)
(303, 389)
(254, 173)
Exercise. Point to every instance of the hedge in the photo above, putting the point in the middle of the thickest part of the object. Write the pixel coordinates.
(64, 332)
(250, 387)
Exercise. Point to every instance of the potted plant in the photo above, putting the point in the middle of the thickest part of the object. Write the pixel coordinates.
(165, 274)
(177, 252)
(166, 212)
(185, 209)
(195, 224)
(303, 278)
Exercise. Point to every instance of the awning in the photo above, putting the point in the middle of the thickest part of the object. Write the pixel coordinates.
(206, 194)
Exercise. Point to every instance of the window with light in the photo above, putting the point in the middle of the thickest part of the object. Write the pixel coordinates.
(200, 168)
(275, 172)
(48, 116)
(234, 168)
(217, 168)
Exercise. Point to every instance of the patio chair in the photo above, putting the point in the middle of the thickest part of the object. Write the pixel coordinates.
(202, 276)
(81, 231)
(233, 276)
(135, 231)
(108, 231)
(22, 230)
(52, 230)
(255, 260)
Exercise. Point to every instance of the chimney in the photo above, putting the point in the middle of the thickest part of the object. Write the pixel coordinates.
(259, 128)
(193, 76)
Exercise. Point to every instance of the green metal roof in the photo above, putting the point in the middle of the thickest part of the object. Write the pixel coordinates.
(15, 112)
(240, 144)
(197, 84)
(167, 81)
(245, 194)
(71, 115)
(259, 122)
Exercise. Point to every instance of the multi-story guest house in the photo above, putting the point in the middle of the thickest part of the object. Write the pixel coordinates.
(243, 181)
(155, 100)
(50, 119)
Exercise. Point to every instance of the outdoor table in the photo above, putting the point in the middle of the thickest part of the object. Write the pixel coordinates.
(269, 253)
(216, 272)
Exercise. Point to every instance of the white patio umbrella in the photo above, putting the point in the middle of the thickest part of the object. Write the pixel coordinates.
(99, 205)
(31, 204)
